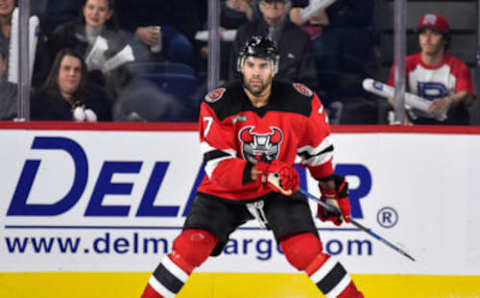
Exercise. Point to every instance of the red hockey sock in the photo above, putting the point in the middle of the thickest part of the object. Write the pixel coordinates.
(351, 292)
(195, 245)
(190, 249)
(331, 278)
(167, 279)
(149, 292)
(301, 249)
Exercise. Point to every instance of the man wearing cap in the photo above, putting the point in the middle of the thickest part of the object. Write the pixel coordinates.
(437, 76)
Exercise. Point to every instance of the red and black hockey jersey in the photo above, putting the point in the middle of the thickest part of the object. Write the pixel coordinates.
(233, 133)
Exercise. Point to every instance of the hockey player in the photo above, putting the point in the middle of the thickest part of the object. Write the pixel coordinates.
(437, 76)
(250, 133)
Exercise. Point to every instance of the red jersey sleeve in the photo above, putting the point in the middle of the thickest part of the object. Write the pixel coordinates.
(316, 149)
(464, 80)
(410, 63)
(217, 143)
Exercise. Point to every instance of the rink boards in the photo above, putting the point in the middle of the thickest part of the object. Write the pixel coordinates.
(93, 208)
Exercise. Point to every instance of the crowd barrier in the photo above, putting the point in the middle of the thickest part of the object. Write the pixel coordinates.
(88, 210)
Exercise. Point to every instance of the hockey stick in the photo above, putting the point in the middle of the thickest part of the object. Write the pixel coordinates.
(337, 212)
(274, 178)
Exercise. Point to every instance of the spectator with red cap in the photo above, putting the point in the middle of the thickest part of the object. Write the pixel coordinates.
(437, 76)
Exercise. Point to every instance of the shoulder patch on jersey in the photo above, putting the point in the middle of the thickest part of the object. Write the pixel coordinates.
(215, 95)
(302, 89)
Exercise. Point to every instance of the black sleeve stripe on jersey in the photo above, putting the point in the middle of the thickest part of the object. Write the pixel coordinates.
(214, 154)
(306, 156)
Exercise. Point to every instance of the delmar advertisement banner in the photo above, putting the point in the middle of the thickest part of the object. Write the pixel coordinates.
(113, 200)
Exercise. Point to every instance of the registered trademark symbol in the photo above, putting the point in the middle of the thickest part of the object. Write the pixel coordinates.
(387, 217)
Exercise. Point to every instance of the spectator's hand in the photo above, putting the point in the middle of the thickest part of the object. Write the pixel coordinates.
(148, 35)
(320, 18)
(242, 6)
(439, 105)
(246, 8)
(221, 30)
(295, 17)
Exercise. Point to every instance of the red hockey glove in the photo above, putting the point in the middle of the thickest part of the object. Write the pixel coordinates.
(338, 198)
(279, 176)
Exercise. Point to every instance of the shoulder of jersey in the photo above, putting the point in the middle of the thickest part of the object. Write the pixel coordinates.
(215, 95)
(453, 61)
(222, 94)
(225, 100)
(302, 89)
(413, 59)
(294, 97)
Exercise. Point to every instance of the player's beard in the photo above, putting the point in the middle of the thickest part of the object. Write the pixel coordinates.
(258, 88)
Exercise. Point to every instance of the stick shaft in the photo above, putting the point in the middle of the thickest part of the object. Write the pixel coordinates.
(334, 210)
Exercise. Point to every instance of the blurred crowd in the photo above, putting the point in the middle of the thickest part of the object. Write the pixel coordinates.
(146, 60)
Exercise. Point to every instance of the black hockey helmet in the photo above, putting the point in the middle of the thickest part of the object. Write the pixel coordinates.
(259, 47)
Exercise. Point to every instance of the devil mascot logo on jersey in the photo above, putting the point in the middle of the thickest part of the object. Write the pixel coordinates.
(260, 145)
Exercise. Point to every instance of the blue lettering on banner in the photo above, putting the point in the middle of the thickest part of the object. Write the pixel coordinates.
(104, 185)
(363, 188)
(19, 205)
(146, 205)
(107, 243)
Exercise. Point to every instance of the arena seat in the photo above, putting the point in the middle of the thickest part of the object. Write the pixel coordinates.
(161, 67)
(183, 85)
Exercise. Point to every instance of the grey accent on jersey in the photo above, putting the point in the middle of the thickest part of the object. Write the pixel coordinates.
(316, 156)
(213, 156)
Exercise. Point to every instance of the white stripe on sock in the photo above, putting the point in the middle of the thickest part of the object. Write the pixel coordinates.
(324, 270)
(157, 286)
(340, 287)
(174, 269)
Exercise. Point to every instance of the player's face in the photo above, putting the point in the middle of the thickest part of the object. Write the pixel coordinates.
(69, 75)
(96, 12)
(431, 42)
(257, 74)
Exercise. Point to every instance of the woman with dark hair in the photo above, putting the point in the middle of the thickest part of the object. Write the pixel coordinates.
(97, 37)
(66, 94)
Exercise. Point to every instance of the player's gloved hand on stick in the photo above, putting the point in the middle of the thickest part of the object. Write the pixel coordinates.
(278, 175)
(338, 198)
